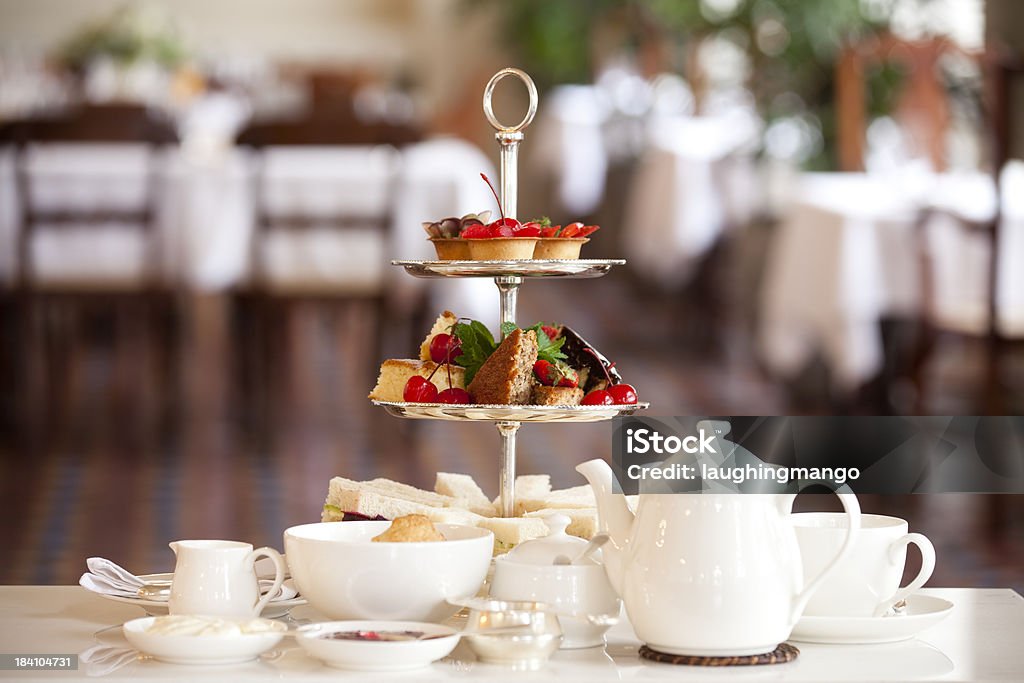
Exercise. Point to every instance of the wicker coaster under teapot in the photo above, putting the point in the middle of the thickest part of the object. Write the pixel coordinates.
(780, 655)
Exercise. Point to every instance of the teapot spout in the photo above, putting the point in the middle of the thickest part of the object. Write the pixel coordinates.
(614, 517)
(173, 546)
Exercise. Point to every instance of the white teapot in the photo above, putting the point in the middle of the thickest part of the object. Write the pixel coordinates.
(704, 574)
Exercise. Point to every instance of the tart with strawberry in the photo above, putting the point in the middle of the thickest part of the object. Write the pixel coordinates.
(561, 242)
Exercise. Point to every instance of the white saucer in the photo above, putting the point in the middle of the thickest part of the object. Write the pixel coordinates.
(158, 608)
(221, 649)
(923, 611)
(364, 655)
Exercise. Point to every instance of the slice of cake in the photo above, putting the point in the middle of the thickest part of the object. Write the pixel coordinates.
(395, 372)
(506, 377)
(556, 396)
(444, 324)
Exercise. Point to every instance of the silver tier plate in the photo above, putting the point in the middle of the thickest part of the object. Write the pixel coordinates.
(503, 413)
(581, 268)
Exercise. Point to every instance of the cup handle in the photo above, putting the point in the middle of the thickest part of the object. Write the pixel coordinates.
(927, 567)
(852, 508)
(279, 572)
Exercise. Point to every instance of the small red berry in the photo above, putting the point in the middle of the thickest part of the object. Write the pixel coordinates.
(552, 332)
(419, 389)
(623, 394)
(542, 369)
(598, 397)
(445, 348)
(454, 395)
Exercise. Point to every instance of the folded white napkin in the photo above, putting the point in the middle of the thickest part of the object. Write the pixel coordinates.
(108, 578)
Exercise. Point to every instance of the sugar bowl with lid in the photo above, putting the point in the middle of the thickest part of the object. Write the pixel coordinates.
(551, 570)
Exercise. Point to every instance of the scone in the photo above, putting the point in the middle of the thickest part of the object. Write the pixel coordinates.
(410, 529)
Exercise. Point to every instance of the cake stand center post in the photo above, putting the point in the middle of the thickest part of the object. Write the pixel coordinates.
(508, 430)
(508, 293)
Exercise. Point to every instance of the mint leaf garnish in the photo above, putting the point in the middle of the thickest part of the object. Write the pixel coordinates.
(477, 346)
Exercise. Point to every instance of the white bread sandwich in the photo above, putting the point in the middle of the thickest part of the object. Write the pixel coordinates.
(464, 489)
(575, 497)
(457, 499)
(385, 499)
(511, 531)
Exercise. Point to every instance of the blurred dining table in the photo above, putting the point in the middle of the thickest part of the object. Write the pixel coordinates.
(206, 216)
(845, 255)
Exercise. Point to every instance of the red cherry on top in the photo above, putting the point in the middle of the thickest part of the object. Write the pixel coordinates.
(598, 397)
(445, 348)
(419, 389)
(454, 395)
(623, 394)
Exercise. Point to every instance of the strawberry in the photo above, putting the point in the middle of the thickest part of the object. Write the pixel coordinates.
(550, 231)
(504, 227)
(528, 230)
(476, 232)
(555, 374)
(588, 230)
(552, 332)
(571, 230)
(542, 371)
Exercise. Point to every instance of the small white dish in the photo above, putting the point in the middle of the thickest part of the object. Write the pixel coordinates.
(209, 650)
(158, 608)
(377, 655)
(922, 611)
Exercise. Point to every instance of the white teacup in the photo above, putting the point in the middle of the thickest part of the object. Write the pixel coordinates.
(867, 582)
(219, 578)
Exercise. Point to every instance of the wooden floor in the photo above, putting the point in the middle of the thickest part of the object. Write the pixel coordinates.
(102, 478)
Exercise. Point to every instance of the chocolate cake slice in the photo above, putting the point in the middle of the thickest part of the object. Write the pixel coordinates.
(590, 365)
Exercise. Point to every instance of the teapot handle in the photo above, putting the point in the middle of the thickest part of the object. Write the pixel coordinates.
(852, 508)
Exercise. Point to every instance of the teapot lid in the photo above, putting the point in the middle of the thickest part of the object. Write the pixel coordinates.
(544, 550)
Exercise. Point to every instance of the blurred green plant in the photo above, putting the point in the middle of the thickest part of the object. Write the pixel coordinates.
(791, 45)
(131, 34)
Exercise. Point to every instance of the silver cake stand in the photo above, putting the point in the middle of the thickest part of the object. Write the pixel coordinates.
(509, 277)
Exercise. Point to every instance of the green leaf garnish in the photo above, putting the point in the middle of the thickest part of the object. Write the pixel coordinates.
(548, 349)
(477, 346)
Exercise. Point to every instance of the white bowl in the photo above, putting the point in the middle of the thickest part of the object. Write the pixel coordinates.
(218, 649)
(343, 574)
(582, 590)
(362, 655)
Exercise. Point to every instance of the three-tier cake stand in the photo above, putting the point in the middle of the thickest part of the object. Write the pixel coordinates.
(509, 276)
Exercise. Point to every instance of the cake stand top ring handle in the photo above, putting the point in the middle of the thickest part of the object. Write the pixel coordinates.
(489, 92)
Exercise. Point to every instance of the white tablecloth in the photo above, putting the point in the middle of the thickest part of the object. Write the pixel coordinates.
(844, 255)
(206, 214)
(695, 180)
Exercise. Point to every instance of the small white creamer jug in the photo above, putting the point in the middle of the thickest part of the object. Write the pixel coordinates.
(219, 578)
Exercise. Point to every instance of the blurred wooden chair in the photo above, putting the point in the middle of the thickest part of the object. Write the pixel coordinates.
(923, 108)
(89, 255)
(321, 243)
